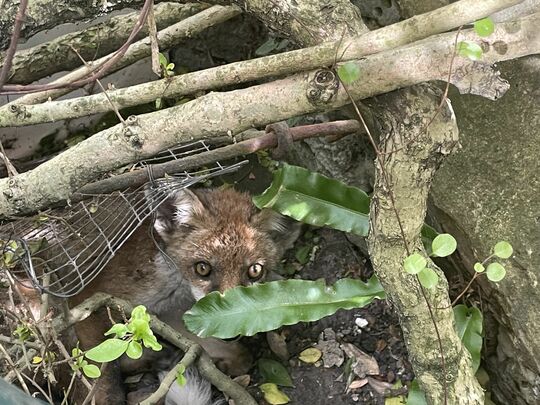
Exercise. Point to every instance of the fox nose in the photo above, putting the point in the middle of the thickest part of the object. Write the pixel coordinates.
(227, 283)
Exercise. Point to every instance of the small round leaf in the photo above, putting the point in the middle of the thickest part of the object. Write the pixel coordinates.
(503, 250)
(134, 350)
(484, 27)
(428, 278)
(470, 50)
(414, 263)
(348, 72)
(479, 267)
(443, 245)
(495, 272)
(91, 371)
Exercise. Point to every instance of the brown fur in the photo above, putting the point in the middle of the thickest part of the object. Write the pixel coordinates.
(220, 227)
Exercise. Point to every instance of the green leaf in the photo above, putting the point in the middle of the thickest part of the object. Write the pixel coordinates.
(348, 72)
(139, 312)
(266, 47)
(302, 254)
(134, 350)
(469, 329)
(503, 250)
(484, 27)
(495, 272)
(150, 341)
(470, 50)
(91, 371)
(428, 278)
(162, 60)
(118, 329)
(415, 263)
(479, 267)
(443, 245)
(107, 350)
(139, 327)
(273, 395)
(416, 395)
(273, 372)
(263, 307)
(316, 200)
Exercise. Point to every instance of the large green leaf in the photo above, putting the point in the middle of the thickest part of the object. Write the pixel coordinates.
(263, 307)
(469, 329)
(318, 200)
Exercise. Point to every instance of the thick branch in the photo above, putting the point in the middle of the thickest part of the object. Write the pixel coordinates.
(386, 38)
(254, 141)
(98, 40)
(216, 114)
(138, 50)
(397, 212)
(45, 14)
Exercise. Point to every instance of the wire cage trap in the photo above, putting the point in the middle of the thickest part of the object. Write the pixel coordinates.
(62, 250)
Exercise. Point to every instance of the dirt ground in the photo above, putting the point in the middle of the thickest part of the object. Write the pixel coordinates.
(374, 330)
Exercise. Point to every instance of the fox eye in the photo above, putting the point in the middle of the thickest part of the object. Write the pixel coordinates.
(203, 268)
(255, 271)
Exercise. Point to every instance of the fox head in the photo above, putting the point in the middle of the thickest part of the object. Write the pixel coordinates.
(219, 240)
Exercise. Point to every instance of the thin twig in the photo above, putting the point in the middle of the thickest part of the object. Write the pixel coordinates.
(8, 59)
(14, 369)
(190, 356)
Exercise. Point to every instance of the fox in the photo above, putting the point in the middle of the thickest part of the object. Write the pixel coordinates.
(201, 240)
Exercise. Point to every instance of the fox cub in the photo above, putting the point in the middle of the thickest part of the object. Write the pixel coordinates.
(205, 240)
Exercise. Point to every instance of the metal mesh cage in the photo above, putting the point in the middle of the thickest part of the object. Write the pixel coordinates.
(62, 250)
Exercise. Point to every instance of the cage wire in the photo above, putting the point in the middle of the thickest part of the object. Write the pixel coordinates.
(59, 252)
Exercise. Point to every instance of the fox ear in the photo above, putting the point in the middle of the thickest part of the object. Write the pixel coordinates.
(283, 230)
(179, 209)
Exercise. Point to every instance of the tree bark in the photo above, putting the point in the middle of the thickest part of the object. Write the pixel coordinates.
(403, 178)
(46, 14)
(93, 42)
(217, 114)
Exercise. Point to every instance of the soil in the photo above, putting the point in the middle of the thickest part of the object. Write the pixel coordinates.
(379, 335)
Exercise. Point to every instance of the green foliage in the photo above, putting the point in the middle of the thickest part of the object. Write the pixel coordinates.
(443, 245)
(263, 307)
(495, 272)
(79, 363)
(428, 278)
(127, 339)
(416, 395)
(470, 50)
(503, 250)
(108, 350)
(348, 72)
(23, 332)
(273, 372)
(479, 268)
(484, 27)
(180, 378)
(469, 329)
(271, 45)
(415, 263)
(167, 68)
(316, 200)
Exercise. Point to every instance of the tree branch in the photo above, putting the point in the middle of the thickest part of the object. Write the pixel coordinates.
(98, 40)
(138, 50)
(204, 363)
(217, 114)
(386, 38)
(45, 14)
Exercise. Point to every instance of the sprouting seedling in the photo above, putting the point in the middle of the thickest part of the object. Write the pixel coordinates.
(471, 50)
(167, 68)
(129, 338)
